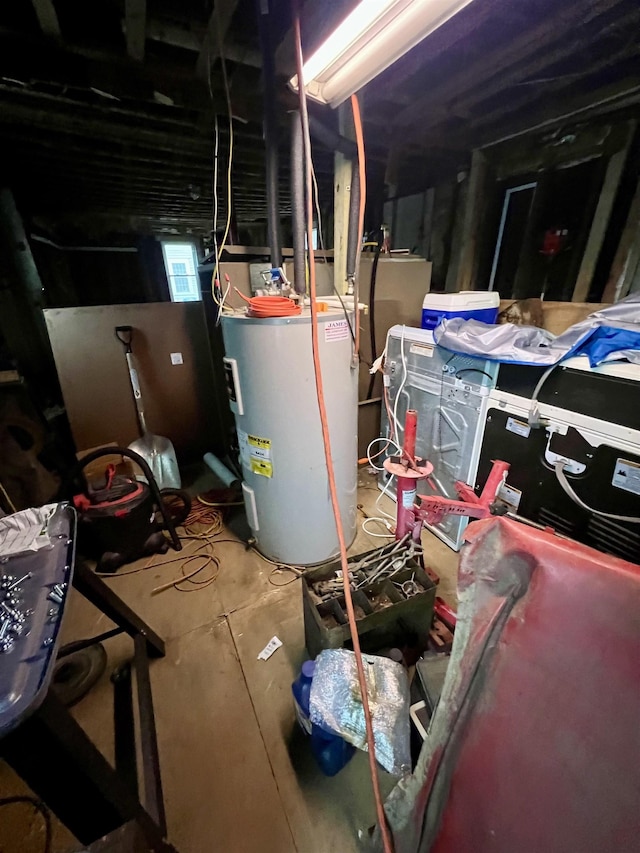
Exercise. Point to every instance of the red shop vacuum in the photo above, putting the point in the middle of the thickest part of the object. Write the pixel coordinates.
(121, 519)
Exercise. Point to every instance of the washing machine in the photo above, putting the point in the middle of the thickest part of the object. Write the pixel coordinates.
(450, 392)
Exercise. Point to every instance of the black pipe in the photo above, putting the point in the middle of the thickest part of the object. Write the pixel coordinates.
(297, 204)
(330, 139)
(354, 224)
(270, 123)
(372, 312)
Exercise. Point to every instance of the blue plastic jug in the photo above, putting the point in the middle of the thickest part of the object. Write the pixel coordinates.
(330, 751)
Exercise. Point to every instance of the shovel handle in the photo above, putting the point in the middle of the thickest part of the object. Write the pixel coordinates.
(125, 335)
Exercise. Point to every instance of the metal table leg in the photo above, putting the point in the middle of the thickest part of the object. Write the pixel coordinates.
(58, 761)
(95, 590)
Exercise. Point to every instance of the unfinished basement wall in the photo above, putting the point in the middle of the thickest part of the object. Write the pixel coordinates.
(129, 271)
(426, 223)
(552, 214)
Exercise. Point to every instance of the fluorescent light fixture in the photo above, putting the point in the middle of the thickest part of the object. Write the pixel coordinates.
(370, 39)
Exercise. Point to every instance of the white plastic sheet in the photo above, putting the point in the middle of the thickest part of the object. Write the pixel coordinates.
(530, 345)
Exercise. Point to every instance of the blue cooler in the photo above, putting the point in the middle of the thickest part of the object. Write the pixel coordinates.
(480, 305)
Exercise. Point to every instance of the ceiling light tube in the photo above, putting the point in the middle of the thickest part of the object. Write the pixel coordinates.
(371, 38)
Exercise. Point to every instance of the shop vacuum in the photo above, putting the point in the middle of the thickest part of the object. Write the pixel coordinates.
(120, 518)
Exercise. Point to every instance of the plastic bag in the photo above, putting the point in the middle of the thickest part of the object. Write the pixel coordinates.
(612, 330)
(336, 703)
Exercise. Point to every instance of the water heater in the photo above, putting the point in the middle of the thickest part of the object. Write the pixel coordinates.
(272, 392)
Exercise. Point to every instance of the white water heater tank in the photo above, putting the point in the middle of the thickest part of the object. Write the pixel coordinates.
(272, 390)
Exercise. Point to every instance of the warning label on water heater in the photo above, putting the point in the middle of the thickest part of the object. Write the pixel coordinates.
(626, 476)
(336, 330)
(255, 453)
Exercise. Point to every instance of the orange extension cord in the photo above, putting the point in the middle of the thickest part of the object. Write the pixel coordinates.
(386, 835)
(270, 306)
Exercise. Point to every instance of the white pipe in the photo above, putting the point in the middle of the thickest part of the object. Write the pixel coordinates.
(220, 470)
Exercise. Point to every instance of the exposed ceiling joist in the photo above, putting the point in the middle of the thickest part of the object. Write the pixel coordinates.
(188, 37)
(136, 28)
(496, 64)
(463, 26)
(191, 38)
(47, 17)
(583, 106)
(536, 65)
(557, 92)
(489, 130)
(120, 79)
(482, 112)
(217, 29)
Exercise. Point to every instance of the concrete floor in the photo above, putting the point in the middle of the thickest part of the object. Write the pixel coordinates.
(237, 772)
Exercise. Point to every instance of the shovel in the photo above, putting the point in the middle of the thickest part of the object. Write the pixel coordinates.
(157, 451)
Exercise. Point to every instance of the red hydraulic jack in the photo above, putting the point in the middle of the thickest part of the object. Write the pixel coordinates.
(433, 508)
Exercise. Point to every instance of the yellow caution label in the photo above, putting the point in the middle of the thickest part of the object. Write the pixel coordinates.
(262, 467)
(259, 446)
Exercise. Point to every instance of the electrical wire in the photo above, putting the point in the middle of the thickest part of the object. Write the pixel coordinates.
(270, 306)
(534, 415)
(473, 370)
(220, 300)
(398, 427)
(298, 573)
(220, 503)
(388, 521)
(42, 809)
(372, 311)
(203, 515)
(566, 487)
(10, 503)
(382, 521)
(316, 198)
(216, 163)
(388, 441)
(203, 525)
(385, 491)
(384, 829)
(209, 560)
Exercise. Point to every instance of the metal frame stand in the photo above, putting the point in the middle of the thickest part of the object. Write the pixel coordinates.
(54, 756)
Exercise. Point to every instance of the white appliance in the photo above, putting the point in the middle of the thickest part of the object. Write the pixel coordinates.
(272, 391)
(450, 392)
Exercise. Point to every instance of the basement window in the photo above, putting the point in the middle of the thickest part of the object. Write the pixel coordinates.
(181, 265)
